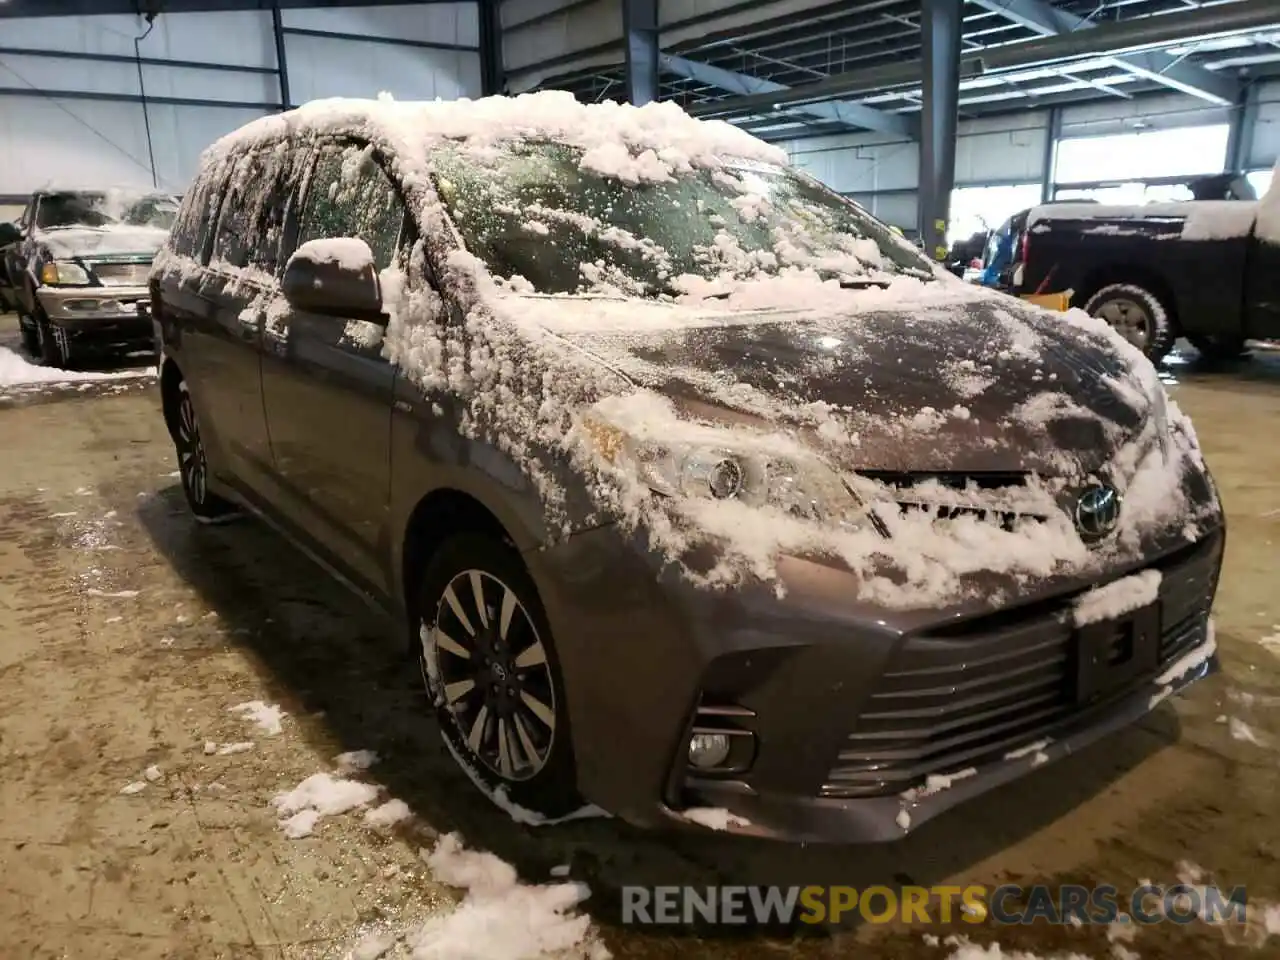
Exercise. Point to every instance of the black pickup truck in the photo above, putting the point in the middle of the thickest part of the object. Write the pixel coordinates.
(1207, 270)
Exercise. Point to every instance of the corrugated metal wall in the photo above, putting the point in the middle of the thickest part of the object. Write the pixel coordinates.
(68, 120)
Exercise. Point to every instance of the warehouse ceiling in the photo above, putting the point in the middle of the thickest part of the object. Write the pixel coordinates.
(842, 39)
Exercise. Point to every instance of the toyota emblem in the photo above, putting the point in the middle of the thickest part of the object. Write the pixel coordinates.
(1097, 511)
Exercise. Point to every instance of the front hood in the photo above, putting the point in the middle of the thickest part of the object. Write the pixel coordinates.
(977, 385)
(117, 240)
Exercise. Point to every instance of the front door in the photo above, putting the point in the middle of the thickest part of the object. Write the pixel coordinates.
(327, 389)
(226, 307)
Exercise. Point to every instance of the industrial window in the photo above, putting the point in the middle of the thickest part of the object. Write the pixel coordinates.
(1260, 180)
(1148, 154)
(982, 209)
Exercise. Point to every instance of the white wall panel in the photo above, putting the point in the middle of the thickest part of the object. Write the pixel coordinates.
(1266, 134)
(579, 29)
(85, 142)
(428, 22)
(241, 38)
(1149, 113)
(325, 67)
(79, 143)
(673, 11)
(898, 209)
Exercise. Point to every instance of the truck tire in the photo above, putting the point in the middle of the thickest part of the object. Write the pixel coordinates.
(1136, 314)
(30, 337)
(51, 349)
(1215, 348)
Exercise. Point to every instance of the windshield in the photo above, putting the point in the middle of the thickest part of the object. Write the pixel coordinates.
(535, 217)
(100, 209)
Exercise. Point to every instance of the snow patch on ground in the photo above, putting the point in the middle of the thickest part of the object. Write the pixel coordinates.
(17, 371)
(388, 814)
(714, 818)
(266, 717)
(355, 761)
(319, 795)
(501, 918)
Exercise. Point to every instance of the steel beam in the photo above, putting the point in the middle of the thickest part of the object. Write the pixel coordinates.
(123, 58)
(640, 29)
(849, 114)
(940, 23)
(1049, 171)
(1039, 17)
(1244, 121)
(133, 98)
(86, 8)
(491, 76)
(282, 61)
(367, 38)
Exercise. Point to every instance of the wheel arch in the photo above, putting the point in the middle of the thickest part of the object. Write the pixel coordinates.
(170, 378)
(437, 516)
(1133, 275)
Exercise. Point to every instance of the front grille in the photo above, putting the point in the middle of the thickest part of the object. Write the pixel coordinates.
(979, 690)
(908, 496)
(121, 274)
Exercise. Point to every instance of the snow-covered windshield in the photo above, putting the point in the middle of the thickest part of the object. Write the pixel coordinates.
(80, 209)
(538, 218)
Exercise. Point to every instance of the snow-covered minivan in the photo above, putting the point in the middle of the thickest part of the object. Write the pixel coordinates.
(701, 495)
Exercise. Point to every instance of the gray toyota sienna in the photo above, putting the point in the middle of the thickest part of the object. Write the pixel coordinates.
(702, 497)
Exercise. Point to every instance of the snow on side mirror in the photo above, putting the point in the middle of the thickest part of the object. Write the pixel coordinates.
(336, 278)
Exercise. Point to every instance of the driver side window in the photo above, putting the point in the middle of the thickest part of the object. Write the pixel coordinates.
(351, 196)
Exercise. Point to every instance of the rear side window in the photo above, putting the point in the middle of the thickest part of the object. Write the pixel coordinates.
(253, 210)
(350, 195)
(194, 222)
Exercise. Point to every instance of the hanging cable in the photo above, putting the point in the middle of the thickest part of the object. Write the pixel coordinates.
(142, 92)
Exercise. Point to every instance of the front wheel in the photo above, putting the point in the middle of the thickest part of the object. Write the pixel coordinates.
(1219, 348)
(491, 669)
(193, 465)
(30, 336)
(1136, 314)
(51, 344)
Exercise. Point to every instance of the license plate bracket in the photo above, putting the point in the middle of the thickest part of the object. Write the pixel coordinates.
(1111, 654)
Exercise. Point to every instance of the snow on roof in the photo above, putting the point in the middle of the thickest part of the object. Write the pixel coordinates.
(659, 138)
(1202, 219)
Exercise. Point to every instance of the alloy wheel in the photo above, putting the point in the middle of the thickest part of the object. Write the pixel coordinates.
(485, 660)
(191, 458)
(1129, 319)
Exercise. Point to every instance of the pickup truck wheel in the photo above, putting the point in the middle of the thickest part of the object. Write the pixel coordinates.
(30, 336)
(1137, 315)
(193, 466)
(491, 670)
(1219, 348)
(53, 349)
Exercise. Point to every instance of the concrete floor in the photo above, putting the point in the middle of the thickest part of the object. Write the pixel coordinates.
(95, 688)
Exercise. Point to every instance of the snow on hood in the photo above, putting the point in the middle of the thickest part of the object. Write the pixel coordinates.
(116, 239)
(584, 387)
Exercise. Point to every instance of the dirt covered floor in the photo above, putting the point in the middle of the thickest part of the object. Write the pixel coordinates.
(136, 822)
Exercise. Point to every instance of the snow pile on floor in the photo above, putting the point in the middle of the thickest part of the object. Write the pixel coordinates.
(388, 814)
(320, 795)
(965, 949)
(500, 918)
(714, 818)
(355, 761)
(17, 371)
(266, 717)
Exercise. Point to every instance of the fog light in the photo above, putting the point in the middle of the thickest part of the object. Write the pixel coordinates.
(708, 750)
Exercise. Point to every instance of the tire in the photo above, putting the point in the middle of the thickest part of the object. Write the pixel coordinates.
(1136, 314)
(1215, 349)
(193, 465)
(30, 336)
(475, 671)
(53, 350)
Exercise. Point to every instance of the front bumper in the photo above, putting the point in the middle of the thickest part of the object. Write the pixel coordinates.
(98, 313)
(850, 708)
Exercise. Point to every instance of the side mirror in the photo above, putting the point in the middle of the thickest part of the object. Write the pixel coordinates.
(9, 233)
(334, 278)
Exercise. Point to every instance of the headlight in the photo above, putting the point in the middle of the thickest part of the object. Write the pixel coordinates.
(64, 272)
(801, 485)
